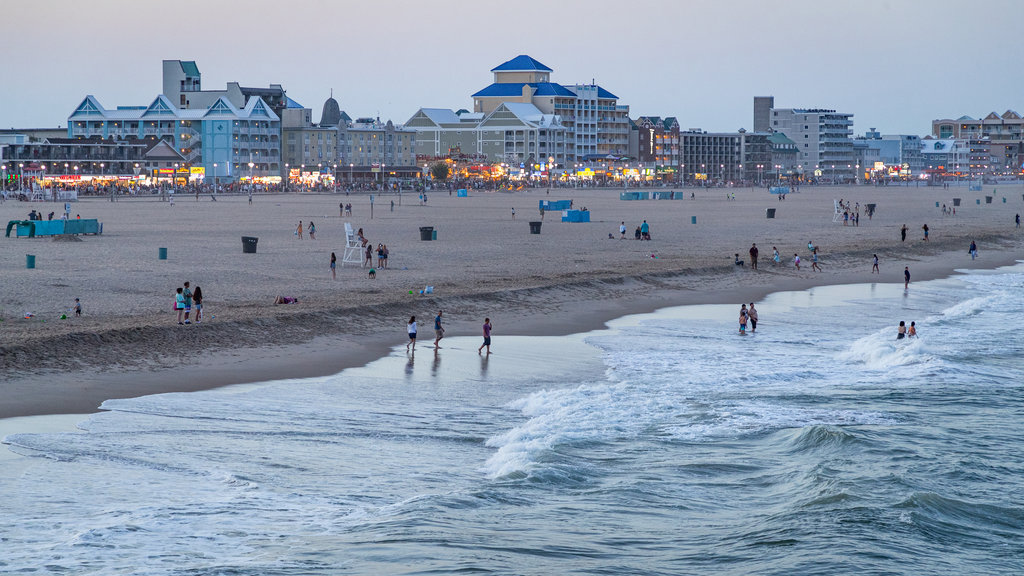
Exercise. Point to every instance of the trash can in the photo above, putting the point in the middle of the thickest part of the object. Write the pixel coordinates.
(956, 201)
(426, 232)
(249, 244)
(535, 227)
(693, 219)
(988, 199)
(433, 234)
(30, 260)
(770, 212)
(161, 253)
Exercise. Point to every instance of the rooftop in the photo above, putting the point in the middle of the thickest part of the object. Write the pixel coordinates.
(521, 63)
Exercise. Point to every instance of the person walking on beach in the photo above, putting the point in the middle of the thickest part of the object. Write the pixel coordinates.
(487, 337)
(179, 305)
(438, 330)
(906, 277)
(901, 332)
(753, 256)
(752, 315)
(925, 228)
(78, 307)
(312, 231)
(776, 258)
(1017, 219)
(187, 294)
(645, 231)
(411, 328)
(298, 230)
(513, 212)
(814, 261)
(796, 261)
(874, 264)
(973, 250)
(368, 260)
(903, 233)
(250, 197)
(334, 266)
(622, 231)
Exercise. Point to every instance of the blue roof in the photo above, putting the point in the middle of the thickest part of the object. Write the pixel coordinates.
(510, 89)
(521, 63)
(293, 103)
(602, 93)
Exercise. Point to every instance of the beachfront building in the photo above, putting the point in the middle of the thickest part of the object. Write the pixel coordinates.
(947, 157)
(595, 123)
(707, 159)
(514, 133)
(901, 151)
(221, 141)
(367, 146)
(658, 145)
(785, 157)
(823, 140)
(1004, 134)
(308, 150)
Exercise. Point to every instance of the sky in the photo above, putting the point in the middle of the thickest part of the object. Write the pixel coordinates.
(895, 64)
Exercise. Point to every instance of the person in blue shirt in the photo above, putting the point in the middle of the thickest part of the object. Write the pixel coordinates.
(438, 329)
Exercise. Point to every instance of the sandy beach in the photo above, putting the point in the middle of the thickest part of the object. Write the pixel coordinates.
(571, 277)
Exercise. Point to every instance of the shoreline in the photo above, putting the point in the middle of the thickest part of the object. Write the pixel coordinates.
(587, 304)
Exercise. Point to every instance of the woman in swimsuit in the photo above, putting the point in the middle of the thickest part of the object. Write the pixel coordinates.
(901, 333)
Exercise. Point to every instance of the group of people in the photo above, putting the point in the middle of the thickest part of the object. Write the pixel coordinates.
(311, 230)
(748, 315)
(904, 332)
(642, 232)
(903, 232)
(411, 329)
(184, 300)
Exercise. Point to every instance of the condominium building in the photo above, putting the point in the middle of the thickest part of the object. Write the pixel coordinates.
(903, 150)
(658, 144)
(946, 156)
(822, 137)
(1004, 134)
(513, 132)
(220, 141)
(368, 141)
(595, 123)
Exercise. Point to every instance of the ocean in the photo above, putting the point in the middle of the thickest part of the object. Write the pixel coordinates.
(667, 443)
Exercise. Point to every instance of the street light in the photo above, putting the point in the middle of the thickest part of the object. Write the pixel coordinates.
(214, 177)
(334, 177)
(250, 173)
(21, 177)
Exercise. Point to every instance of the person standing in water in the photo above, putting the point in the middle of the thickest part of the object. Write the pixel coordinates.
(912, 331)
(743, 318)
(906, 277)
(487, 337)
(438, 330)
(752, 315)
(412, 334)
(901, 332)
(874, 264)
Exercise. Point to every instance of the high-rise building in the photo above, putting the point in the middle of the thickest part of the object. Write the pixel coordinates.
(763, 112)
(823, 140)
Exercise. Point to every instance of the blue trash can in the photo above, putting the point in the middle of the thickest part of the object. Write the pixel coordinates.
(30, 261)
(162, 253)
(693, 219)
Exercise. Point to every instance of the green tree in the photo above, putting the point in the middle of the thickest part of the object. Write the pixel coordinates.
(440, 171)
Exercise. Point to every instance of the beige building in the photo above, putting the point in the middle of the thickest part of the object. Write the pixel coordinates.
(513, 132)
(595, 124)
(1003, 134)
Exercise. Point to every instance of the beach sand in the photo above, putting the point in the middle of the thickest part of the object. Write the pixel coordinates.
(567, 279)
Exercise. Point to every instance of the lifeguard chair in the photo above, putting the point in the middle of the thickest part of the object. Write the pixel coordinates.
(353, 249)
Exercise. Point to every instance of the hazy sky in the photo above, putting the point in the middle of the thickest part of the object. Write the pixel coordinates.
(894, 64)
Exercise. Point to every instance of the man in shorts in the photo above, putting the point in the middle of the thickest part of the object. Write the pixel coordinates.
(487, 337)
(187, 294)
(438, 329)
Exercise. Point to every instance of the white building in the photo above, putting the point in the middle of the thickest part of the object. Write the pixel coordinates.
(823, 140)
